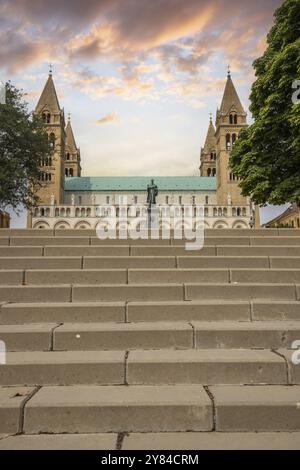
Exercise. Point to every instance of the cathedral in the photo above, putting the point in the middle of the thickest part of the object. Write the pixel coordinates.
(69, 200)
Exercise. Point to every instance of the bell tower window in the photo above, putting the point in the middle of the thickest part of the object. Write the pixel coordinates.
(228, 143)
(52, 141)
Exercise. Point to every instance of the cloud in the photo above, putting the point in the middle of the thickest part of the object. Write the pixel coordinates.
(108, 119)
(153, 46)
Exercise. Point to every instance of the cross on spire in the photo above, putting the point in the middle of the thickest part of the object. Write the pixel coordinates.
(210, 116)
(228, 71)
(50, 69)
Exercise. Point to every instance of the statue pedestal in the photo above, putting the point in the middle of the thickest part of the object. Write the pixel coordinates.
(153, 218)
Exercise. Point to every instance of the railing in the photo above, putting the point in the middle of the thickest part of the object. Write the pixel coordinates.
(97, 211)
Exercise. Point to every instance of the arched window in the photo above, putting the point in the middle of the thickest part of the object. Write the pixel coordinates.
(228, 143)
(231, 118)
(233, 138)
(66, 172)
(238, 212)
(206, 199)
(48, 118)
(68, 156)
(235, 119)
(52, 140)
(44, 117)
(214, 172)
(71, 172)
(209, 172)
(50, 161)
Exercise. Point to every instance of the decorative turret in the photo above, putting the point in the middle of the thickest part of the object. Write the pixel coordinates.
(72, 154)
(208, 152)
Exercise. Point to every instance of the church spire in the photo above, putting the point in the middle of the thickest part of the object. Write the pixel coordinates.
(70, 139)
(231, 98)
(48, 100)
(210, 141)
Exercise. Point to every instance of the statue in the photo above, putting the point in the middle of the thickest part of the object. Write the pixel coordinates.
(73, 200)
(229, 200)
(152, 193)
(153, 212)
(52, 199)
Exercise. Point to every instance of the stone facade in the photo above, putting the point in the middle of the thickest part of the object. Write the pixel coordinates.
(289, 218)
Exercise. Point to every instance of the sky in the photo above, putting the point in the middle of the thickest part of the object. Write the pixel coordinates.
(139, 77)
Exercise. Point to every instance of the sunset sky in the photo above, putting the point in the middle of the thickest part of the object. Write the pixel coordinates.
(139, 77)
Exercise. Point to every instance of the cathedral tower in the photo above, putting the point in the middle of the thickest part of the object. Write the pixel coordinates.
(52, 168)
(231, 119)
(72, 153)
(208, 153)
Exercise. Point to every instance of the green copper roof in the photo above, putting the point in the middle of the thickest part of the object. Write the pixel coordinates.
(139, 183)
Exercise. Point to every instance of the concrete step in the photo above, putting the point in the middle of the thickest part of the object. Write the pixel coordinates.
(11, 277)
(43, 241)
(117, 336)
(124, 250)
(251, 335)
(209, 240)
(241, 291)
(63, 368)
(205, 367)
(156, 335)
(225, 262)
(292, 358)
(55, 312)
(265, 310)
(61, 293)
(186, 441)
(265, 275)
(41, 262)
(97, 262)
(148, 276)
(12, 401)
(29, 337)
(20, 251)
(76, 276)
(251, 408)
(105, 441)
(148, 250)
(164, 276)
(186, 311)
(90, 409)
(155, 441)
(115, 262)
(273, 250)
(111, 293)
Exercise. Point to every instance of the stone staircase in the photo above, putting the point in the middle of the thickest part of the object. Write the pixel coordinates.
(143, 345)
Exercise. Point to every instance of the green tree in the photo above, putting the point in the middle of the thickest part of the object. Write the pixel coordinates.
(23, 143)
(267, 155)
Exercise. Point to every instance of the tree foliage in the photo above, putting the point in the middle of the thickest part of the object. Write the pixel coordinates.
(267, 155)
(23, 143)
